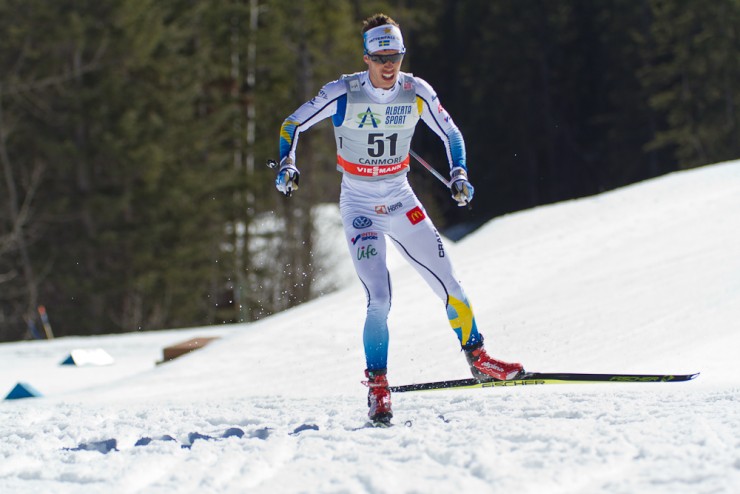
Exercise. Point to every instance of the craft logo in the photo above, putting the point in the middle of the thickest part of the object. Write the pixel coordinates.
(440, 245)
(416, 215)
(407, 86)
(394, 207)
(381, 210)
(315, 100)
(362, 222)
(354, 85)
(368, 117)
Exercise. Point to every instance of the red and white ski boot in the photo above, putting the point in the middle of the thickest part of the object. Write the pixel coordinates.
(378, 397)
(485, 368)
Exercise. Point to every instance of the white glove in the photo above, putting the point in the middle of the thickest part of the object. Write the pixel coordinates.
(462, 190)
(287, 178)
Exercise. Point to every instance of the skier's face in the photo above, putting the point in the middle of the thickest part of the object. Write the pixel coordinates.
(383, 67)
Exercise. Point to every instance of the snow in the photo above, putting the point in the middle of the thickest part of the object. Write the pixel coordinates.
(642, 279)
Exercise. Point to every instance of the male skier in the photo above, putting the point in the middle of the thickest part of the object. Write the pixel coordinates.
(374, 114)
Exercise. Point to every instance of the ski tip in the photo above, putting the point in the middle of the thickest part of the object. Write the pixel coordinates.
(381, 420)
(682, 377)
(381, 424)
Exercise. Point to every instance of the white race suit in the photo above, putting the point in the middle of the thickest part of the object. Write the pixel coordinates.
(373, 130)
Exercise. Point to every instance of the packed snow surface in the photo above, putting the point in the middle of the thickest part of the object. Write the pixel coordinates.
(642, 279)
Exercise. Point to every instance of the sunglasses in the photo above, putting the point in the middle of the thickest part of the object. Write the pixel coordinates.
(382, 59)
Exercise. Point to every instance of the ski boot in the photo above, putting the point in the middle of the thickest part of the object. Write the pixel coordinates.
(485, 368)
(378, 397)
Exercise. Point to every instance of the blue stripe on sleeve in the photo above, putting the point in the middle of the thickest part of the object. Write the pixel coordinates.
(338, 118)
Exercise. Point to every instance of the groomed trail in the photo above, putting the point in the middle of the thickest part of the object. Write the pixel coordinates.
(644, 279)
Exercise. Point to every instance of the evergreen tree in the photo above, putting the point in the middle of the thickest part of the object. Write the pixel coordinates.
(123, 182)
(34, 76)
(112, 121)
(548, 96)
(306, 44)
(133, 134)
(694, 80)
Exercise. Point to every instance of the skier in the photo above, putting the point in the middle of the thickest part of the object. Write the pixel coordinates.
(374, 114)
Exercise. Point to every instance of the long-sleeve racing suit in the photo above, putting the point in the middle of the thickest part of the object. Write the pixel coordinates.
(373, 130)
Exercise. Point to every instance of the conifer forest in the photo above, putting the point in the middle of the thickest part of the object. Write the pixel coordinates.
(134, 134)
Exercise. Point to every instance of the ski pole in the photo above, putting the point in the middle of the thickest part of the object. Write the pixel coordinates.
(429, 167)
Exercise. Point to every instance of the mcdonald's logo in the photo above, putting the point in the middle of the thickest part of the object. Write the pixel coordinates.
(415, 215)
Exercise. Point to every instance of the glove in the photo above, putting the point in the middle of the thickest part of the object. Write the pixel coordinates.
(287, 178)
(462, 190)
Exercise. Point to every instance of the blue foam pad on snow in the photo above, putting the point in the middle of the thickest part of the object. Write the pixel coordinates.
(304, 427)
(144, 441)
(104, 447)
(23, 390)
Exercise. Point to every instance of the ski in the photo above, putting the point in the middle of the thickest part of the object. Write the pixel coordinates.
(539, 378)
(380, 424)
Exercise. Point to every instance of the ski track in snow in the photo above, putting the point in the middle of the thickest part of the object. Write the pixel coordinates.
(643, 279)
(600, 439)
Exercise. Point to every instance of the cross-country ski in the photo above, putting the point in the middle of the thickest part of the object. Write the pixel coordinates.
(541, 378)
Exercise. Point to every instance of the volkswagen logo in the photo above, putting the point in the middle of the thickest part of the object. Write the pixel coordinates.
(362, 222)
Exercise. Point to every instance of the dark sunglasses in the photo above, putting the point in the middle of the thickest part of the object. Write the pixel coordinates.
(382, 59)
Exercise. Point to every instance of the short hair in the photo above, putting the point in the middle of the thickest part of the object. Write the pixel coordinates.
(376, 20)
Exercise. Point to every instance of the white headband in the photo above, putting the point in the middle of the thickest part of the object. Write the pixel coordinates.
(385, 37)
